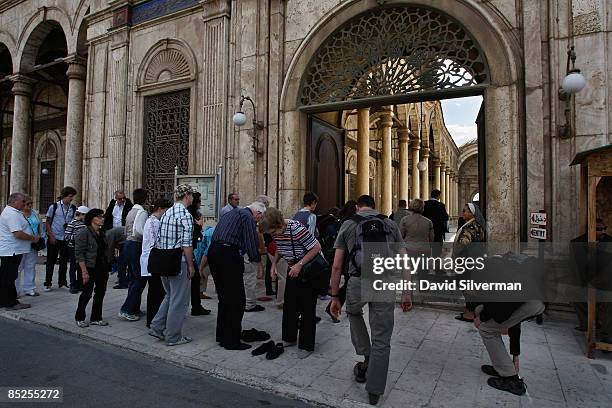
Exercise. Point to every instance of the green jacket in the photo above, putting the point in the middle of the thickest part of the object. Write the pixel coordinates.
(86, 246)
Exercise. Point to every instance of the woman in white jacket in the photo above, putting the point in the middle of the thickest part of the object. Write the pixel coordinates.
(155, 293)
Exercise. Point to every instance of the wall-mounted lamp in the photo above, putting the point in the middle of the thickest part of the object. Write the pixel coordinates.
(4, 173)
(45, 171)
(240, 119)
(422, 166)
(573, 83)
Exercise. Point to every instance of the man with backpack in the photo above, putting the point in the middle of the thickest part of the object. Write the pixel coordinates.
(368, 226)
(58, 217)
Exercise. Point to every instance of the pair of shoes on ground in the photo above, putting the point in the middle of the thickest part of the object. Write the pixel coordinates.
(127, 316)
(270, 349)
(19, 306)
(256, 308)
(253, 335)
(513, 384)
(83, 323)
(200, 312)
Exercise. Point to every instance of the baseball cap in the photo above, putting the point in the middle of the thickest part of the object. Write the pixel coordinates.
(83, 209)
(183, 189)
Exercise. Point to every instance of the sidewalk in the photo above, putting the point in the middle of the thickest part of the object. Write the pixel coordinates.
(435, 359)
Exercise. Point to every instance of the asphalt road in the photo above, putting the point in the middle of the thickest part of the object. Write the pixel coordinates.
(99, 375)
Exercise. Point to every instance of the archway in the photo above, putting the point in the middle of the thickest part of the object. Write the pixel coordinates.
(307, 89)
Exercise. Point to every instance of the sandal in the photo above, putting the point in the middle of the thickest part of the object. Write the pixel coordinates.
(463, 319)
(276, 351)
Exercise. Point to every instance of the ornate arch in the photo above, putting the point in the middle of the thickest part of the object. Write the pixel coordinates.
(393, 50)
(36, 29)
(168, 61)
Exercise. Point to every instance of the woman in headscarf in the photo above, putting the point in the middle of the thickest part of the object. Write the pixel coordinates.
(473, 231)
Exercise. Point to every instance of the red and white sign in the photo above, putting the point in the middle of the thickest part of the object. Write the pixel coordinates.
(538, 218)
(537, 233)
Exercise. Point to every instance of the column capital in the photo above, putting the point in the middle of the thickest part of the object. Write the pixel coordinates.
(22, 85)
(76, 67)
(403, 135)
(425, 151)
(213, 9)
(415, 144)
(436, 162)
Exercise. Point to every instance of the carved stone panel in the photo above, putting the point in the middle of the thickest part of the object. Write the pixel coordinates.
(166, 141)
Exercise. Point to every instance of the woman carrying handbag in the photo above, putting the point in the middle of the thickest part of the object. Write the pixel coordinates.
(26, 278)
(306, 264)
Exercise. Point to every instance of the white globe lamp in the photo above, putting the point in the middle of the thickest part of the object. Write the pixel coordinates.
(239, 119)
(574, 82)
(421, 166)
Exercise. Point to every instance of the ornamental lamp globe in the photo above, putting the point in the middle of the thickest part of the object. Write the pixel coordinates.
(239, 119)
(421, 166)
(574, 82)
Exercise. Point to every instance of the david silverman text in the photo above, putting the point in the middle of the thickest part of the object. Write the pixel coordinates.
(464, 284)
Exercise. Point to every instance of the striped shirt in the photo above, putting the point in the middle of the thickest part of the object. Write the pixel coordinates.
(238, 227)
(176, 228)
(303, 241)
(72, 229)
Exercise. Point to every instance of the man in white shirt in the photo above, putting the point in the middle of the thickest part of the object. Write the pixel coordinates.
(14, 242)
(114, 219)
(233, 201)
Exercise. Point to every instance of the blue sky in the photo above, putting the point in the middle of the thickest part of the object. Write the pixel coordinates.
(459, 117)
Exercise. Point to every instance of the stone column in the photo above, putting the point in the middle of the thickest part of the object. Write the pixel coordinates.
(437, 174)
(20, 143)
(73, 168)
(118, 113)
(447, 188)
(443, 183)
(386, 205)
(403, 162)
(425, 175)
(363, 151)
(453, 196)
(416, 181)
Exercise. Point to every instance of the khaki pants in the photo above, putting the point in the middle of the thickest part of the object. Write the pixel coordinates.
(491, 333)
(250, 283)
(281, 278)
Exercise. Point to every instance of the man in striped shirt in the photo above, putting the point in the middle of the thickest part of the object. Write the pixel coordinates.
(235, 235)
(176, 231)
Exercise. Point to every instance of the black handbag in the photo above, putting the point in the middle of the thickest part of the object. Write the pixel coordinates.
(40, 244)
(314, 270)
(165, 262)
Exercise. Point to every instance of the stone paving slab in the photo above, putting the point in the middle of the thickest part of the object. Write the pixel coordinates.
(435, 359)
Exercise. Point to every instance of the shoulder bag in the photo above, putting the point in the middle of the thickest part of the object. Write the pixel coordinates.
(40, 244)
(314, 269)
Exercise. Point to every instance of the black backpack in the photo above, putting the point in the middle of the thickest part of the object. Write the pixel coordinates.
(72, 208)
(370, 229)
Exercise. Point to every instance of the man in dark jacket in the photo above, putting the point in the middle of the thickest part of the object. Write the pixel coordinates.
(117, 211)
(436, 212)
(114, 217)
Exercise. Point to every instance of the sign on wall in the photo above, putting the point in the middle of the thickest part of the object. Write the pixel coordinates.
(537, 233)
(206, 185)
(538, 218)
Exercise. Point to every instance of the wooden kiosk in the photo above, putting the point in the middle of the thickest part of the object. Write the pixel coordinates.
(594, 164)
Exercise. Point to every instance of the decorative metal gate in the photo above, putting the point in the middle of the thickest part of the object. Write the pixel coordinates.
(46, 190)
(393, 50)
(166, 141)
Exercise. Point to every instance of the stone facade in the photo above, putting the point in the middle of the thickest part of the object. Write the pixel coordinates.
(119, 53)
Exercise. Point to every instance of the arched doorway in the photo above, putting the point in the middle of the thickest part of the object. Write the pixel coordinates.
(422, 53)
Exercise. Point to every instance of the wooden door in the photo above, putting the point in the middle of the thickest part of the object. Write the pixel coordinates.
(325, 161)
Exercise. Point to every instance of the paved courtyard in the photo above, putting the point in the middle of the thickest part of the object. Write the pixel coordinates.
(435, 359)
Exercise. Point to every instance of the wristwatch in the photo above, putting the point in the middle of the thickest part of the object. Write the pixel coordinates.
(301, 262)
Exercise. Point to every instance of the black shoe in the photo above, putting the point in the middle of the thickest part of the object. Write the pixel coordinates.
(253, 335)
(263, 349)
(239, 346)
(317, 319)
(200, 312)
(373, 398)
(120, 286)
(360, 371)
(276, 351)
(328, 311)
(74, 290)
(489, 370)
(256, 308)
(513, 384)
(63, 285)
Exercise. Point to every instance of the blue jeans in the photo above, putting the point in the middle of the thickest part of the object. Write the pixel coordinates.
(122, 272)
(137, 283)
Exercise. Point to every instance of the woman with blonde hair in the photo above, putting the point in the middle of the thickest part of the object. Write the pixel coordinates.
(26, 278)
(298, 246)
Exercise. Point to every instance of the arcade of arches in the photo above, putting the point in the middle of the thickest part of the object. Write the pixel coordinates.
(114, 94)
